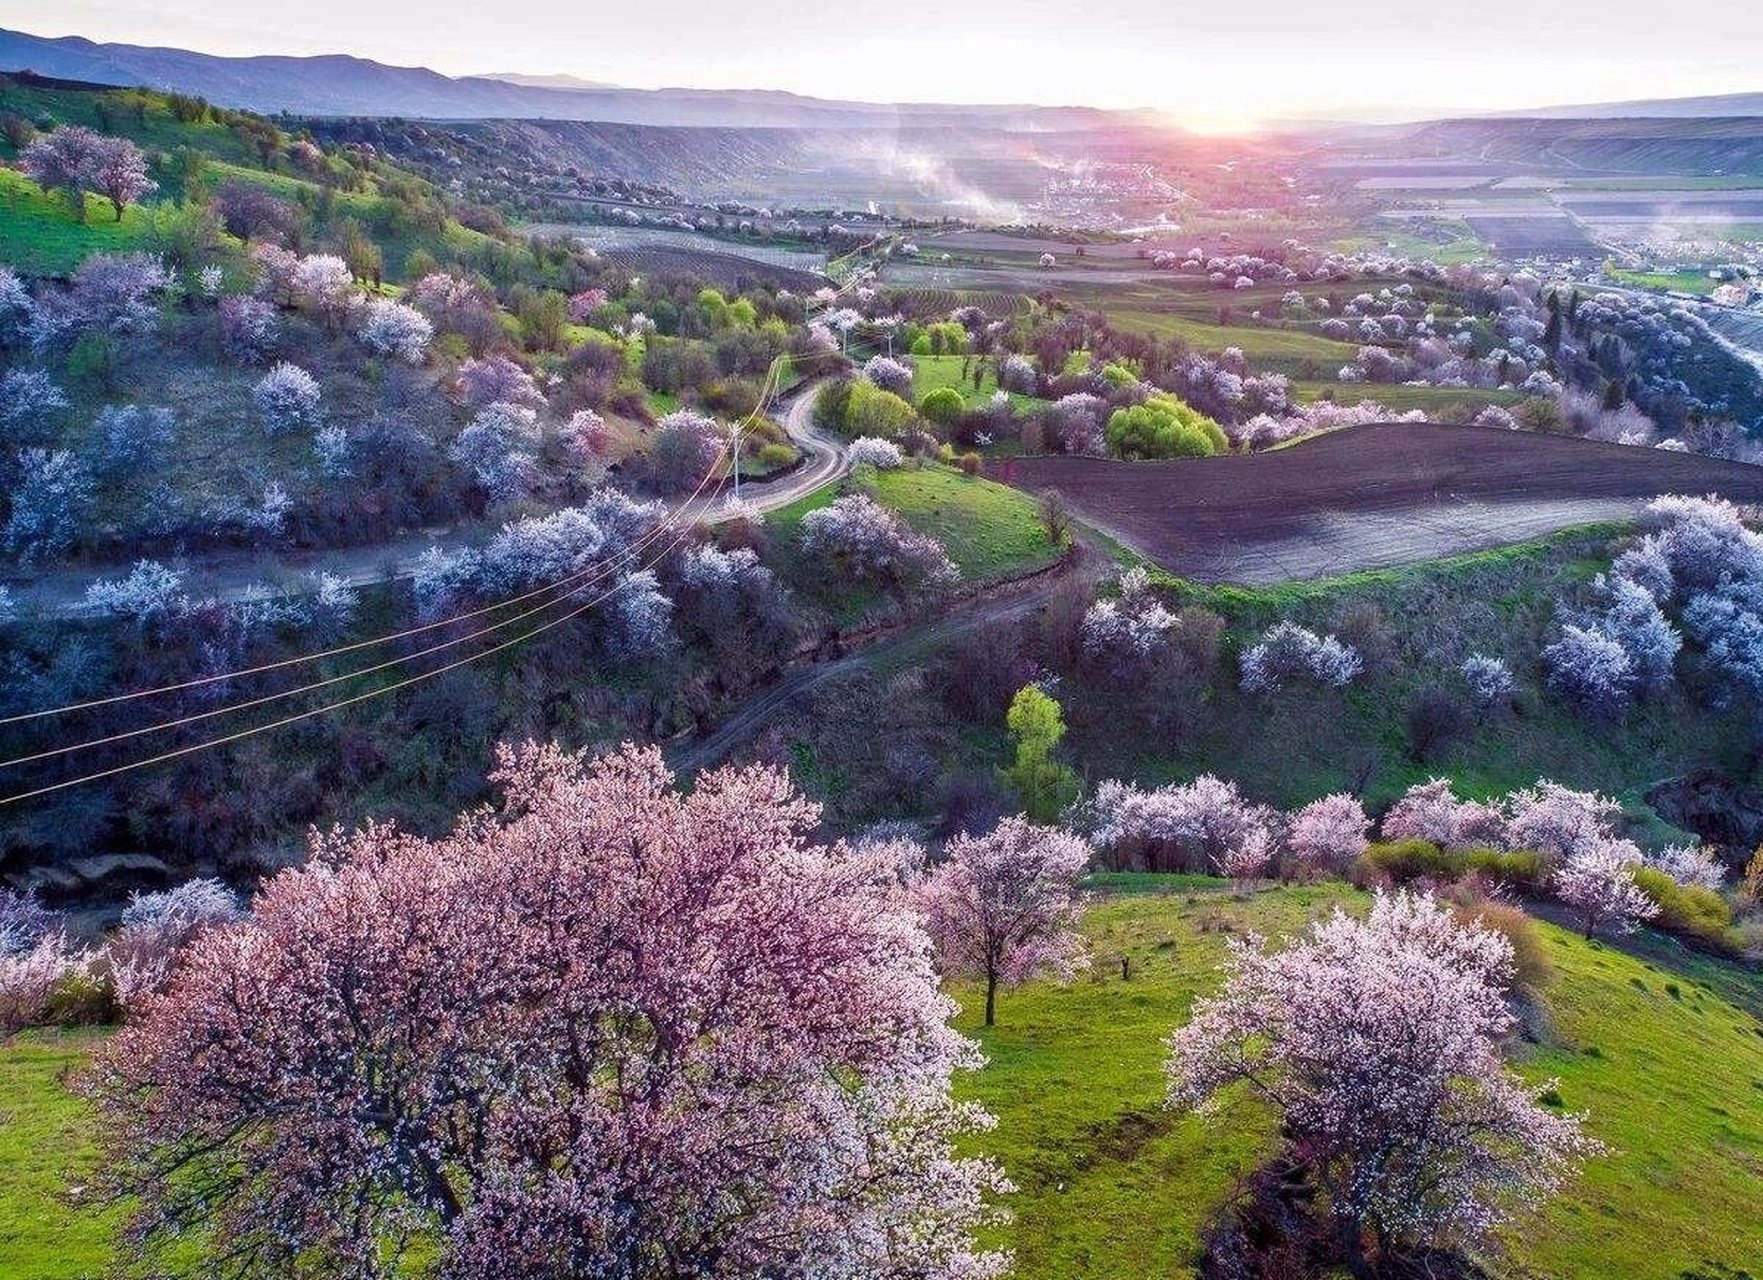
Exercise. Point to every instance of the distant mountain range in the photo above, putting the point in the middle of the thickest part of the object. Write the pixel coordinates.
(546, 82)
(343, 85)
(1720, 106)
(340, 85)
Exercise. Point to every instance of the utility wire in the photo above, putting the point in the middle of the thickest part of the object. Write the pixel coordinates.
(768, 390)
(572, 581)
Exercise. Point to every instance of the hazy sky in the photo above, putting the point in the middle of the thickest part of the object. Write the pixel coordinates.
(1217, 65)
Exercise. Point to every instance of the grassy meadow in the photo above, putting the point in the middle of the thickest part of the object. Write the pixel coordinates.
(1115, 1187)
(1268, 350)
(1402, 398)
(1112, 1186)
(39, 235)
(990, 531)
(51, 1226)
(933, 372)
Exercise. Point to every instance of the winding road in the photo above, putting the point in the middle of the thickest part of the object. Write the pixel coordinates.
(233, 575)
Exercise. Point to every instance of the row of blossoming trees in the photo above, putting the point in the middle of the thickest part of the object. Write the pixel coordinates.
(613, 1029)
(1548, 840)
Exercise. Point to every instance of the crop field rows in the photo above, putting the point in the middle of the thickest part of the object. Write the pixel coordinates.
(727, 270)
(1529, 236)
(1368, 497)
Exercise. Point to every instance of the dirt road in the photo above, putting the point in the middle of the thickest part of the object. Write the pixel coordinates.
(1369, 497)
(1008, 600)
(230, 575)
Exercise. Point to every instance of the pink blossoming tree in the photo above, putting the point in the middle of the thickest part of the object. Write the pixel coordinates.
(609, 1030)
(1003, 907)
(1327, 836)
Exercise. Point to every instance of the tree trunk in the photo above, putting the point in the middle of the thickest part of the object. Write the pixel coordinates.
(991, 997)
(1353, 1247)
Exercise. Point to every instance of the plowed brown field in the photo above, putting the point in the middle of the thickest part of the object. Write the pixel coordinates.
(1369, 497)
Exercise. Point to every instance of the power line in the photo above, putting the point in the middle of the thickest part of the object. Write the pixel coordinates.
(598, 570)
(593, 572)
(767, 391)
(678, 517)
(163, 756)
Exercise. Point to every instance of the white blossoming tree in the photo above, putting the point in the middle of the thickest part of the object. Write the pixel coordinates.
(1377, 1043)
(1598, 882)
(287, 397)
(395, 330)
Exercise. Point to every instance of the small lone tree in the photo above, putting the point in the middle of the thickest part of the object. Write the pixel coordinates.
(1377, 1041)
(1036, 725)
(1003, 907)
(287, 398)
(1598, 882)
(119, 170)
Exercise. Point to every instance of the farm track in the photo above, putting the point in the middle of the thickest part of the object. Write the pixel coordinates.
(1013, 598)
(233, 575)
(1369, 497)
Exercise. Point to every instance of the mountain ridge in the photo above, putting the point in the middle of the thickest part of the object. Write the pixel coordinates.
(345, 85)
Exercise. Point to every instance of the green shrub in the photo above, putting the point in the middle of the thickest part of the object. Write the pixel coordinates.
(81, 999)
(1690, 910)
(1402, 861)
(1520, 869)
(831, 404)
(1530, 959)
(774, 456)
(93, 358)
(942, 405)
(870, 411)
(1164, 427)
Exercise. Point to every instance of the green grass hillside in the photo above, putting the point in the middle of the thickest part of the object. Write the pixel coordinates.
(932, 372)
(39, 235)
(1402, 398)
(50, 1226)
(1268, 350)
(1114, 1187)
(143, 116)
(990, 531)
(1289, 747)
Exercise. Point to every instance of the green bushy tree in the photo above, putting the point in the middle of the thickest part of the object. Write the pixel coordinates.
(1164, 427)
(1036, 726)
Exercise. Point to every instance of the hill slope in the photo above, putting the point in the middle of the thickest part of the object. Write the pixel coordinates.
(1114, 1187)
